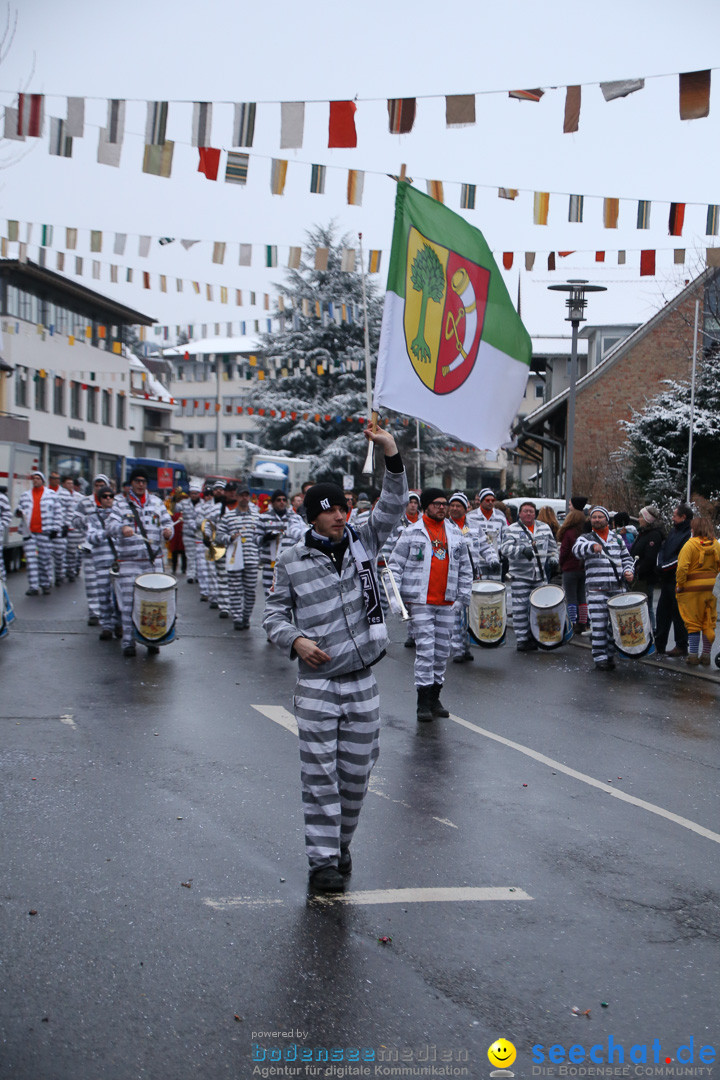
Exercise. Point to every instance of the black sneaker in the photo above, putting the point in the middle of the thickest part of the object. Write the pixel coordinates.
(106, 635)
(526, 646)
(410, 643)
(464, 658)
(345, 863)
(326, 879)
(129, 650)
(32, 592)
(94, 620)
(214, 605)
(153, 650)
(224, 615)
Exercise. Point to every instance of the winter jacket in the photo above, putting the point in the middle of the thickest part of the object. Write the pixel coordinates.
(240, 523)
(517, 538)
(50, 511)
(672, 546)
(492, 529)
(645, 549)
(569, 563)
(698, 565)
(274, 533)
(328, 606)
(155, 518)
(604, 569)
(410, 563)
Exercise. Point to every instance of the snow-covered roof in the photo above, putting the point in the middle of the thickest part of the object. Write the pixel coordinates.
(152, 384)
(244, 343)
(559, 344)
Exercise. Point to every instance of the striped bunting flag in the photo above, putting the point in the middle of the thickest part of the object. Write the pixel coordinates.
(676, 219)
(355, 184)
(30, 115)
(374, 262)
(467, 196)
(278, 176)
(401, 115)
(157, 159)
(526, 95)
(541, 205)
(713, 218)
(317, 180)
(61, 144)
(236, 169)
(507, 193)
(575, 209)
(294, 257)
(201, 134)
(271, 255)
(156, 123)
(244, 124)
(46, 235)
(435, 190)
(347, 260)
(643, 214)
(611, 212)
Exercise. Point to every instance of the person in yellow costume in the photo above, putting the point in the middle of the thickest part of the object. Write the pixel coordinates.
(698, 567)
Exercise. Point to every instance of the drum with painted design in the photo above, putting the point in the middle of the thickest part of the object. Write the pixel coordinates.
(7, 614)
(549, 622)
(154, 608)
(487, 615)
(630, 622)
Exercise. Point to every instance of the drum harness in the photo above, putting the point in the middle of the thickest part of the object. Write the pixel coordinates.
(533, 545)
(606, 551)
(138, 521)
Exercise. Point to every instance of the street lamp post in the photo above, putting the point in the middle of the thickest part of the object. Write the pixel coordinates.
(575, 303)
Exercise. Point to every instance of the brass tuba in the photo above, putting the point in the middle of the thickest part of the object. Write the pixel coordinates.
(214, 551)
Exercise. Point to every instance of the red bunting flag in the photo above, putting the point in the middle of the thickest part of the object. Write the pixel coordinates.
(209, 161)
(676, 219)
(647, 264)
(342, 131)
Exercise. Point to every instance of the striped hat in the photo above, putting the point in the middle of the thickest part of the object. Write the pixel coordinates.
(600, 510)
(459, 496)
(484, 492)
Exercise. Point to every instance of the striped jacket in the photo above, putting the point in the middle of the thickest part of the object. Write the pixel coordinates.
(275, 533)
(240, 523)
(69, 505)
(517, 538)
(154, 516)
(603, 570)
(96, 536)
(328, 607)
(493, 530)
(411, 559)
(50, 511)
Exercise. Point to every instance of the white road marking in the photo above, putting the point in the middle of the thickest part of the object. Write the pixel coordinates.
(462, 894)
(444, 821)
(278, 715)
(615, 792)
(67, 719)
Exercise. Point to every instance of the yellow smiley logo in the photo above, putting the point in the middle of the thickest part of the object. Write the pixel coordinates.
(501, 1054)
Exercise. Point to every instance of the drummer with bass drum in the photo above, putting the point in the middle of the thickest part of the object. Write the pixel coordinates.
(138, 524)
(609, 569)
(527, 544)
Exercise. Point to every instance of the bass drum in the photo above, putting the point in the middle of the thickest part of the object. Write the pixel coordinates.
(154, 608)
(549, 622)
(630, 622)
(487, 614)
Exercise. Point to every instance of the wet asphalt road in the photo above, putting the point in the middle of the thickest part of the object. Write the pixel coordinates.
(151, 818)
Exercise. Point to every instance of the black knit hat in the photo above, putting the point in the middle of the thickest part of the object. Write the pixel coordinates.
(138, 473)
(430, 495)
(278, 493)
(323, 497)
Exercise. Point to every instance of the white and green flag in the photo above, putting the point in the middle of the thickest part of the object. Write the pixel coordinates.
(453, 351)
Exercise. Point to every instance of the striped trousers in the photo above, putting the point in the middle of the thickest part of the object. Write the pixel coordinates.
(338, 726)
(521, 608)
(72, 555)
(39, 560)
(124, 588)
(59, 554)
(91, 584)
(268, 573)
(460, 632)
(222, 586)
(109, 614)
(242, 586)
(205, 572)
(603, 646)
(432, 628)
(191, 555)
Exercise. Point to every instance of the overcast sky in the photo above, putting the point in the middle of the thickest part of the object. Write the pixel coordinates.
(221, 51)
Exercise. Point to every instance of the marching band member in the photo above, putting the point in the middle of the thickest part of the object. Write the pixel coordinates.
(527, 544)
(41, 518)
(188, 512)
(138, 524)
(492, 523)
(104, 555)
(608, 564)
(5, 518)
(237, 527)
(276, 530)
(88, 505)
(479, 548)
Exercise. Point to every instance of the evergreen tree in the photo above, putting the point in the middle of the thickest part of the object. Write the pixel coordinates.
(658, 437)
(325, 361)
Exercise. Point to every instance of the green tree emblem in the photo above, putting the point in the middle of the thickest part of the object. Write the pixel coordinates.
(428, 278)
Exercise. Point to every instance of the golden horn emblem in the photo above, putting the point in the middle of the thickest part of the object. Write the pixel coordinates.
(214, 551)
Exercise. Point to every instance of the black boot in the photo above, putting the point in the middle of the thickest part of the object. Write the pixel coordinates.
(424, 703)
(436, 705)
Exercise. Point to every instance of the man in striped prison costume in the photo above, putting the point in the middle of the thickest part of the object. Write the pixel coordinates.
(88, 505)
(137, 554)
(608, 566)
(527, 544)
(188, 513)
(104, 554)
(278, 528)
(481, 553)
(432, 567)
(324, 607)
(210, 525)
(236, 530)
(41, 516)
(71, 537)
(204, 567)
(5, 519)
(490, 523)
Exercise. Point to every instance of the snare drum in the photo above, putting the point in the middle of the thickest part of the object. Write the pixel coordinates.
(549, 623)
(630, 622)
(487, 615)
(154, 608)
(7, 615)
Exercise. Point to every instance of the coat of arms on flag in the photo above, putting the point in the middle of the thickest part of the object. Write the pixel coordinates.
(445, 303)
(453, 351)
